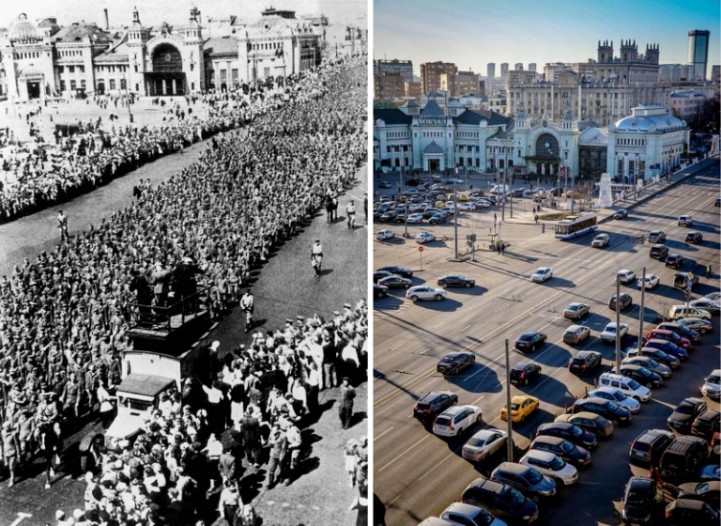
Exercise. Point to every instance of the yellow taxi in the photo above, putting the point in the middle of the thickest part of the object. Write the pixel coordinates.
(521, 407)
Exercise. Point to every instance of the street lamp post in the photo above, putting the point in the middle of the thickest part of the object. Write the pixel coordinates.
(509, 420)
(618, 324)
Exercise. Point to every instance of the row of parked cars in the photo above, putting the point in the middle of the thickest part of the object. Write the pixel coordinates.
(396, 276)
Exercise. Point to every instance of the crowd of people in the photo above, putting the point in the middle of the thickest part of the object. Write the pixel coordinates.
(87, 154)
(64, 317)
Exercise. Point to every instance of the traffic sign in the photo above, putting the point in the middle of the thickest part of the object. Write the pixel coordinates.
(420, 249)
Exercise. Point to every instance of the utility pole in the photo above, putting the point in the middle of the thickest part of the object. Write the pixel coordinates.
(618, 325)
(509, 419)
(640, 315)
(455, 218)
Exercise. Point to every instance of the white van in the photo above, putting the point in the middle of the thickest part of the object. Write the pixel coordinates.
(499, 189)
(682, 311)
(629, 386)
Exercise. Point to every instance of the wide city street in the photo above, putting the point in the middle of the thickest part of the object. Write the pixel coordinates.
(418, 474)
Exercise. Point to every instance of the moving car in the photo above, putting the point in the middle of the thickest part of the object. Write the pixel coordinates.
(425, 237)
(651, 282)
(521, 407)
(588, 421)
(526, 479)
(542, 274)
(455, 280)
(454, 362)
(625, 275)
(685, 220)
(601, 241)
(569, 431)
(565, 449)
(576, 334)
(712, 385)
(395, 282)
(530, 341)
(695, 238)
(483, 444)
(621, 214)
(639, 501)
(624, 302)
(397, 269)
(608, 335)
(455, 420)
(606, 408)
(618, 396)
(432, 404)
(382, 235)
(501, 500)
(424, 292)
(584, 362)
(524, 372)
(576, 311)
(648, 447)
(656, 236)
(550, 465)
(684, 414)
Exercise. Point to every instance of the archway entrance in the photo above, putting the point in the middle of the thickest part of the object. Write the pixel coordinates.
(167, 77)
(33, 89)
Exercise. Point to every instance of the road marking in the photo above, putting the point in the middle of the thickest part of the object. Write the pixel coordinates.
(405, 452)
(21, 515)
(383, 433)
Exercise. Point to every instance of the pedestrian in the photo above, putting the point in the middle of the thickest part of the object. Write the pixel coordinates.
(350, 212)
(535, 218)
(365, 206)
(229, 502)
(503, 249)
(345, 409)
(63, 226)
(10, 448)
(277, 457)
(247, 304)
(708, 270)
(316, 257)
(351, 459)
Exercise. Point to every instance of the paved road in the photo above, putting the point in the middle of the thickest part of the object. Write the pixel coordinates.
(417, 474)
(284, 287)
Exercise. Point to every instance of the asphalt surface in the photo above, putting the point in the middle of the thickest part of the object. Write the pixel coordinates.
(284, 287)
(416, 474)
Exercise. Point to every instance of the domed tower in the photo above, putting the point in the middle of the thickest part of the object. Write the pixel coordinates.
(28, 61)
(138, 36)
(193, 66)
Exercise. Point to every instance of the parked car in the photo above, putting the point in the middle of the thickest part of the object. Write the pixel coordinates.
(624, 302)
(712, 307)
(701, 325)
(588, 421)
(601, 241)
(639, 501)
(685, 511)
(651, 282)
(664, 371)
(656, 354)
(454, 362)
(608, 335)
(379, 291)
(628, 385)
(618, 396)
(501, 500)
(383, 235)
(712, 385)
(415, 218)
(576, 334)
(706, 424)
(584, 362)
(709, 492)
(658, 251)
(522, 406)
(683, 459)
(682, 311)
(424, 292)
(648, 447)
(530, 341)
(542, 274)
(550, 465)
(456, 280)
(425, 237)
(569, 431)
(606, 408)
(626, 276)
(695, 238)
(483, 444)
(526, 479)
(641, 375)
(397, 269)
(456, 420)
(524, 373)
(437, 219)
(668, 347)
(680, 329)
(660, 334)
(656, 236)
(459, 513)
(565, 449)
(395, 282)
(621, 214)
(576, 311)
(674, 260)
(685, 412)
(685, 220)
(432, 404)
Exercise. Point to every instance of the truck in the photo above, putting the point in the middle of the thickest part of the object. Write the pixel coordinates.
(168, 347)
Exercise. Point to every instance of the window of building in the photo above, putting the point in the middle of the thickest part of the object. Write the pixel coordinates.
(112, 83)
(223, 75)
(81, 69)
(60, 69)
(73, 85)
(83, 84)
(62, 85)
(123, 84)
(71, 69)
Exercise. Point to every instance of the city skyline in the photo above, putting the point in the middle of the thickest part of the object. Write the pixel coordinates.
(472, 34)
(120, 12)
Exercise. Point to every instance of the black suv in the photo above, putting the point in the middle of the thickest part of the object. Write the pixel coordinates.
(658, 251)
(685, 413)
(639, 500)
(683, 511)
(523, 372)
(706, 424)
(455, 362)
(503, 501)
(606, 408)
(674, 261)
(641, 375)
(624, 303)
(524, 478)
(649, 446)
(695, 238)
(432, 404)
(569, 431)
(584, 362)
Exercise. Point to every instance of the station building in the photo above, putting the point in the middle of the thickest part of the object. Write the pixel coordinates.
(42, 59)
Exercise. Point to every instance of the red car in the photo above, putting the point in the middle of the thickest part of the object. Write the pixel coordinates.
(661, 334)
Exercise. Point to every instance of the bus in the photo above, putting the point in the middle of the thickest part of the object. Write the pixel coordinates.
(574, 226)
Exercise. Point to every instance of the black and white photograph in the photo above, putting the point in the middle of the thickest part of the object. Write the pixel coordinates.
(184, 332)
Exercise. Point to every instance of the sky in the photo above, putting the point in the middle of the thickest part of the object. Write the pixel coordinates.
(472, 33)
(153, 12)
